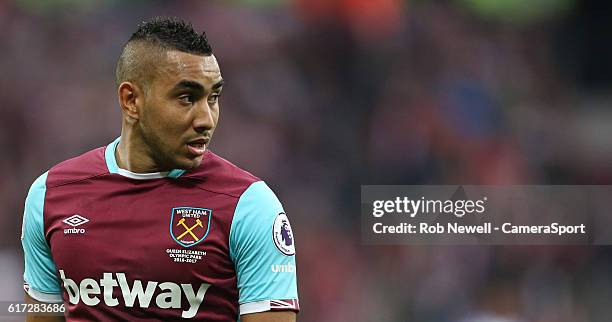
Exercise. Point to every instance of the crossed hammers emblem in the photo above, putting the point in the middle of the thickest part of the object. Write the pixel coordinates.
(188, 230)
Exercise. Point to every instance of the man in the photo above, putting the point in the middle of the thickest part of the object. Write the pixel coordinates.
(154, 226)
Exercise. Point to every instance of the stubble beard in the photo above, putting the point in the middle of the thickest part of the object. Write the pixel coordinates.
(155, 149)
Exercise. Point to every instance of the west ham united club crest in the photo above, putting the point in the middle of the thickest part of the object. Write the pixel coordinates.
(189, 226)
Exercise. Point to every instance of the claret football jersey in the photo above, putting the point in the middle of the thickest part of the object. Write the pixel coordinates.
(208, 244)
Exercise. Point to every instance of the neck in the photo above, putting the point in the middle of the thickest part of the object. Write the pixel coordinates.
(132, 155)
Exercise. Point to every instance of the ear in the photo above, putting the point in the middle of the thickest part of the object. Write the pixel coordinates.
(131, 98)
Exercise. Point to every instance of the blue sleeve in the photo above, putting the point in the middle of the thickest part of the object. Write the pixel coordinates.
(263, 251)
(40, 279)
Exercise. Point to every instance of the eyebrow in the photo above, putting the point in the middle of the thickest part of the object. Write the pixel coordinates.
(218, 85)
(188, 84)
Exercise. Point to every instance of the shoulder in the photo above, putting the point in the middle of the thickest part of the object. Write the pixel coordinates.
(259, 214)
(87, 165)
(219, 175)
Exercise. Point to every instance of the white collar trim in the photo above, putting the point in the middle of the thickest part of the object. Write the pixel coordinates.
(142, 176)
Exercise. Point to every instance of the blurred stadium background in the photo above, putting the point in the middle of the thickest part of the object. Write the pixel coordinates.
(325, 95)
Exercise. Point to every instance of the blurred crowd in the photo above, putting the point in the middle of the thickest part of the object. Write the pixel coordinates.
(323, 96)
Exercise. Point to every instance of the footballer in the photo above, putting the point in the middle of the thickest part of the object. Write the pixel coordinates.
(154, 226)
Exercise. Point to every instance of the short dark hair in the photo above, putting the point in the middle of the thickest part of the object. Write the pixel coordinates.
(153, 37)
(172, 33)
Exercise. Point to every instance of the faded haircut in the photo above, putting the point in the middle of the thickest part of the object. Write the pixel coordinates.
(146, 47)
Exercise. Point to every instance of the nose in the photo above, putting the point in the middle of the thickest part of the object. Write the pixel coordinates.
(203, 119)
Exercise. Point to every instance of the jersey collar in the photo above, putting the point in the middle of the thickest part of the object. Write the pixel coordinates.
(111, 163)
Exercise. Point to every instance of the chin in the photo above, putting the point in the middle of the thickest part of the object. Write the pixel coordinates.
(188, 164)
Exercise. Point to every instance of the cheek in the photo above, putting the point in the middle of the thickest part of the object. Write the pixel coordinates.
(155, 125)
(215, 114)
(166, 123)
(149, 121)
(165, 118)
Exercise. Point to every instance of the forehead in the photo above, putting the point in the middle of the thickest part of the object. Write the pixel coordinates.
(184, 66)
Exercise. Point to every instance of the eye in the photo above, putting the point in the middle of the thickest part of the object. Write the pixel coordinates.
(186, 99)
(214, 98)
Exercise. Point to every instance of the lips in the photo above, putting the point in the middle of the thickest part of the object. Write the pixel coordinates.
(197, 147)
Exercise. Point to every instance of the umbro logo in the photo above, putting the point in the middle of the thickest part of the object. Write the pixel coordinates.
(74, 221)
